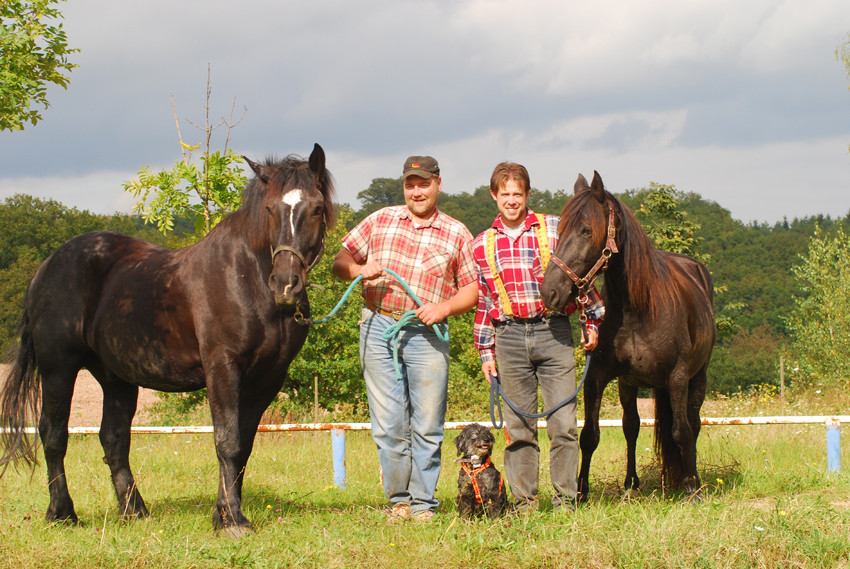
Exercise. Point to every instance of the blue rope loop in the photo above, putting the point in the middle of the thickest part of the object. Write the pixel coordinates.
(496, 395)
(406, 319)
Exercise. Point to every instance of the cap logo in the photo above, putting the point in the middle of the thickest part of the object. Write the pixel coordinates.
(415, 165)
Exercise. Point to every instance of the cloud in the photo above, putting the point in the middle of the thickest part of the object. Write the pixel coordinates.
(693, 93)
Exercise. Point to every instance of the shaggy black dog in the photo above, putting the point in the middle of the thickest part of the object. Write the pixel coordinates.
(481, 489)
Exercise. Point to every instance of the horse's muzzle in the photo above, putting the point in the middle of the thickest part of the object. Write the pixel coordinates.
(288, 293)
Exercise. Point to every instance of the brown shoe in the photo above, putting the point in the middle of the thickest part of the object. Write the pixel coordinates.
(423, 516)
(399, 513)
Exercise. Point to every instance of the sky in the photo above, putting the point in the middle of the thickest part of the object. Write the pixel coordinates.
(741, 102)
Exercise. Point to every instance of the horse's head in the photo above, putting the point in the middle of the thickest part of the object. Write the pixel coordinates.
(586, 241)
(298, 204)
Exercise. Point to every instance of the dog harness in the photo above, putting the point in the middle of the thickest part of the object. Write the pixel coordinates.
(490, 250)
(473, 476)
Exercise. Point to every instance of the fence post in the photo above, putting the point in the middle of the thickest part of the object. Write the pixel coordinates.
(338, 439)
(833, 445)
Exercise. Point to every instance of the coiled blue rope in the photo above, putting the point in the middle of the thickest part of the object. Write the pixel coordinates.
(392, 333)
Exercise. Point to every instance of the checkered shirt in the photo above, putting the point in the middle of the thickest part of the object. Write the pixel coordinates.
(434, 259)
(520, 266)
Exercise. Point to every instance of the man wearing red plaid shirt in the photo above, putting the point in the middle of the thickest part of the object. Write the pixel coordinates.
(532, 346)
(431, 252)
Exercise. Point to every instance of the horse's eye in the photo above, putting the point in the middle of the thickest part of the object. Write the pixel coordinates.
(319, 210)
(586, 231)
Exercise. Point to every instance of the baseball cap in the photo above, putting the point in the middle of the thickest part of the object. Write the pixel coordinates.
(422, 166)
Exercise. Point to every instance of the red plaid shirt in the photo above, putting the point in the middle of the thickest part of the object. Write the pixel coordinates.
(434, 259)
(520, 266)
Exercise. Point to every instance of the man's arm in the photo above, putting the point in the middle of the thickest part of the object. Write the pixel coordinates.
(347, 269)
(463, 301)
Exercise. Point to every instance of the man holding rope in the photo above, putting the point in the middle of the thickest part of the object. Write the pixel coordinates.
(431, 252)
(532, 346)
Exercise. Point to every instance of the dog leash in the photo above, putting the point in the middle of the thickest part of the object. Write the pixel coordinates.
(496, 392)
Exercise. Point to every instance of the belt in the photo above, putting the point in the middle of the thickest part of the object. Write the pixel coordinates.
(381, 311)
(514, 320)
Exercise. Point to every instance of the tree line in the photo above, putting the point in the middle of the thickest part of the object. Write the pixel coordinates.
(760, 273)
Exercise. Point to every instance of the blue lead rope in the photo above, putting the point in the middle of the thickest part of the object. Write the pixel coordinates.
(393, 332)
(496, 392)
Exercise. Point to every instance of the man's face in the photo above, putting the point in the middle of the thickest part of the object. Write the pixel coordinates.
(512, 201)
(421, 195)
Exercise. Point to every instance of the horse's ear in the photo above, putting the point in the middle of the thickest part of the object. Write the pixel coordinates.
(597, 188)
(580, 185)
(317, 159)
(258, 169)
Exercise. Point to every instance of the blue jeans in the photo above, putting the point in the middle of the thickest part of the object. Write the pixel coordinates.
(529, 355)
(408, 414)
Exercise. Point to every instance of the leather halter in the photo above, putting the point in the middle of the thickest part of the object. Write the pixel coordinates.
(473, 477)
(299, 254)
(583, 283)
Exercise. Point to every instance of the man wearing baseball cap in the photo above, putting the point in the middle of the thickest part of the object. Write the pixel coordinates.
(431, 252)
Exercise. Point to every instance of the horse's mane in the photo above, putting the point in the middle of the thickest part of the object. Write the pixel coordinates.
(649, 281)
(289, 172)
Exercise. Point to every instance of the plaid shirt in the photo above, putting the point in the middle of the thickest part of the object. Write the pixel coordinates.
(520, 266)
(434, 259)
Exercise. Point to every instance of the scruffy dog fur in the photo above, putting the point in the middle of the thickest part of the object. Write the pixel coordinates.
(474, 445)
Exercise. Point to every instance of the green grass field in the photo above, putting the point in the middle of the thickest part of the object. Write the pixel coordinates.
(768, 502)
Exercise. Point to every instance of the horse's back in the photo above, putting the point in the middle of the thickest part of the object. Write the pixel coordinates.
(696, 299)
(78, 285)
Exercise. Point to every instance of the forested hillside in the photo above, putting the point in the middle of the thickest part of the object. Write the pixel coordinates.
(751, 265)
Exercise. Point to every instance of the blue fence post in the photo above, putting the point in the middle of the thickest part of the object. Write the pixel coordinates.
(338, 438)
(833, 445)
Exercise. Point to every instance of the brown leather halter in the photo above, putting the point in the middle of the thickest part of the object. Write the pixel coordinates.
(299, 254)
(583, 283)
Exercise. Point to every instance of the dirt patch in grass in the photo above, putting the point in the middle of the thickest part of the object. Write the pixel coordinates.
(87, 405)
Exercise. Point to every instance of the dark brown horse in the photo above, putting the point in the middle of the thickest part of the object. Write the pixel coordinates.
(219, 314)
(658, 330)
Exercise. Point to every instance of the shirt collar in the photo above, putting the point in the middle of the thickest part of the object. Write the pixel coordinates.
(435, 221)
(530, 221)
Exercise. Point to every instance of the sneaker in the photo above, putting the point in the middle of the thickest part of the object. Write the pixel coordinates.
(399, 513)
(423, 516)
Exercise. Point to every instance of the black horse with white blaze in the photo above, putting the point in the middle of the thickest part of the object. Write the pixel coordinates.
(220, 314)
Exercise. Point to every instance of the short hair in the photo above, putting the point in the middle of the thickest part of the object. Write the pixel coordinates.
(509, 171)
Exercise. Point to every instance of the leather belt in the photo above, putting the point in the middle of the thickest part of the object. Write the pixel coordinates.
(533, 320)
(381, 311)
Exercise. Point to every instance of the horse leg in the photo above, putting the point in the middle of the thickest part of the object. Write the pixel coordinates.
(589, 437)
(682, 433)
(631, 430)
(119, 407)
(235, 426)
(696, 397)
(57, 389)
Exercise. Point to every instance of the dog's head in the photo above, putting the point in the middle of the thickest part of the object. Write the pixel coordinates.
(474, 443)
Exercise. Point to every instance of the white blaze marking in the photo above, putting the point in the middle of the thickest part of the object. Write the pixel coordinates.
(292, 198)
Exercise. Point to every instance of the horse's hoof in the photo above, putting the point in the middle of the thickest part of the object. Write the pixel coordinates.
(61, 519)
(235, 532)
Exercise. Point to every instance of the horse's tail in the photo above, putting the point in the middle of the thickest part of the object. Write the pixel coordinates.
(19, 401)
(672, 465)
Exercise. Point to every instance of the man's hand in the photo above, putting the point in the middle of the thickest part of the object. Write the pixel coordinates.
(489, 370)
(592, 339)
(371, 270)
(433, 312)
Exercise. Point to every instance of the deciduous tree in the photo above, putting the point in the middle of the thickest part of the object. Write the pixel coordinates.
(34, 53)
(205, 192)
(820, 320)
